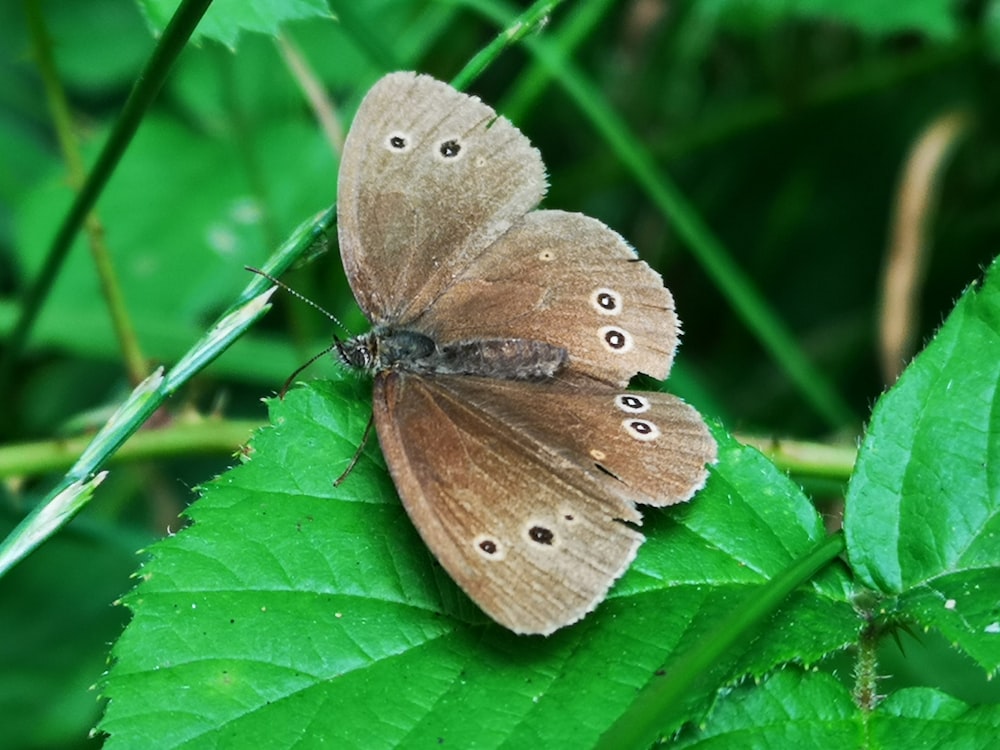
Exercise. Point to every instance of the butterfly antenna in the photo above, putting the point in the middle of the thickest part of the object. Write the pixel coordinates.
(302, 297)
(300, 368)
(336, 341)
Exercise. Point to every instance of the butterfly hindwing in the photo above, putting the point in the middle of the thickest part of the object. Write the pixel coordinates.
(533, 551)
(637, 446)
(527, 526)
(566, 279)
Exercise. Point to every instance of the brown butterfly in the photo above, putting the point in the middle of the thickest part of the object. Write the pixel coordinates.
(503, 339)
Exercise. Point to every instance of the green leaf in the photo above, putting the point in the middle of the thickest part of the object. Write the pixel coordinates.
(796, 709)
(922, 518)
(788, 709)
(293, 608)
(924, 717)
(225, 19)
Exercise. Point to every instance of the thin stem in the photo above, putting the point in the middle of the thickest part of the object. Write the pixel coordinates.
(526, 23)
(314, 91)
(865, 693)
(73, 493)
(866, 669)
(135, 362)
(143, 93)
(805, 458)
(206, 436)
(911, 237)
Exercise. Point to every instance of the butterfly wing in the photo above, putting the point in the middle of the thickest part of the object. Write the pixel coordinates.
(635, 446)
(430, 177)
(568, 280)
(498, 487)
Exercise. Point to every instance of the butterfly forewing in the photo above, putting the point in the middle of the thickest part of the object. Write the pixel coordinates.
(429, 179)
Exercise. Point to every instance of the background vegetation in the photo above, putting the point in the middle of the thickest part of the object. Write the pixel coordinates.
(772, 160)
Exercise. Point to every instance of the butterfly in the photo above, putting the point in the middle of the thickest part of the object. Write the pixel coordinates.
(503, 338)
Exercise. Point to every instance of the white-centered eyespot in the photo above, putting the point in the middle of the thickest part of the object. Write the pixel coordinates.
(606, 301)
(487, 546)
(616, 340)
(450, 149)
(632, 403)
(641, 429)
(597, 454)
(399, 142)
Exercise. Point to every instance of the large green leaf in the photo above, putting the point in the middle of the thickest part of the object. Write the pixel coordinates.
(923, 508)
(294, 609)
(925, 717)
(796, 709)
(225, 19)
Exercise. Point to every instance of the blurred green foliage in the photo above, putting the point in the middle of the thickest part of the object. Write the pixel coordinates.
(785, 125)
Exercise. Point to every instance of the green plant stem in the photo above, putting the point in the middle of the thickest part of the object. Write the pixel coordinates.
(581, 19)
(663, 697)
(804, 458)
(514, 31)
(865, 691)
(73, 493)
(866, 669)
(208, 436)
(135, 362)
(150, 81)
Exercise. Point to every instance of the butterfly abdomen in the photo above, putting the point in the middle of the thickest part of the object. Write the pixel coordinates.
(411, 351)
(502, 359)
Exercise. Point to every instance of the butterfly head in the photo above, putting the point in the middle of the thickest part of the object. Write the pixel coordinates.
(384, 348)
(359, 352)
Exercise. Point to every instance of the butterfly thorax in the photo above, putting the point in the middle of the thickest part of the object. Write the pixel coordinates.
(410, 351)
